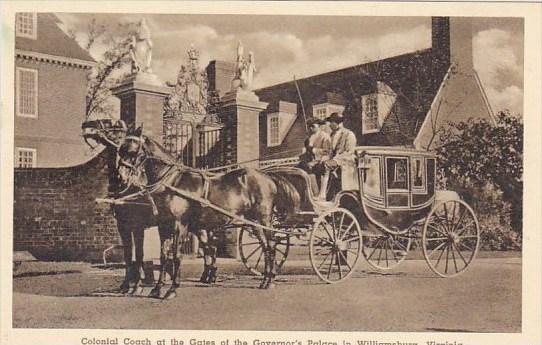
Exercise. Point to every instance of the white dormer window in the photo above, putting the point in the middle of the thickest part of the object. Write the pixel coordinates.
(273, 130)
(26, 24)
(323, 110)
(370, 114)
(376, 107)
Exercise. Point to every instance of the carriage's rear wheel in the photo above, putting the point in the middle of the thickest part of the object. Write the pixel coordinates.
(386, 251)
(451, 237)
(335, 245)
(252, 254)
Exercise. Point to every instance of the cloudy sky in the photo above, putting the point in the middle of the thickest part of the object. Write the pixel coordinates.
(285, 46)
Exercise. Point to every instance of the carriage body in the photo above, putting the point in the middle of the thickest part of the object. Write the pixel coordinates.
(397, 187)
(397, 204)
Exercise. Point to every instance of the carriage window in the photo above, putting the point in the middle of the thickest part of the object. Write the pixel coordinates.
(417, 173)
(371, 185)
(397, 173)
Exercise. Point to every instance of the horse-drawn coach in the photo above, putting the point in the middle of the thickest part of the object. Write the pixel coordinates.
(395, 207)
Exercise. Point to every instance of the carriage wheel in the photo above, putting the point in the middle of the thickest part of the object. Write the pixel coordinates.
(386, 251)
(335, 245)
(451, 236)
(252, 255)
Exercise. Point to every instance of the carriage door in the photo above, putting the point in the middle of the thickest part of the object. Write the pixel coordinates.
(397, 182)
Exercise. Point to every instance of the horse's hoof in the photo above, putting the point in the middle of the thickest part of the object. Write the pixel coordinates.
(170, 295)
(263, 284)
(155, 293)
(124, 287)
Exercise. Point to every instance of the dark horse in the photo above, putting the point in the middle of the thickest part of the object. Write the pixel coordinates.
(243, 193)
(132, 218)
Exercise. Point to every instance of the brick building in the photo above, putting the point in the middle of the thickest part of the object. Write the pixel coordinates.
(50, 87)
(402, 100)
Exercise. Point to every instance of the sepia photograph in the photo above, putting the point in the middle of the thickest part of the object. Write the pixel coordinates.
(240, 171)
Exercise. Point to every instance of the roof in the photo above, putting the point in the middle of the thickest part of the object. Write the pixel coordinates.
(52, 40)
(414, 77)
(332, 98)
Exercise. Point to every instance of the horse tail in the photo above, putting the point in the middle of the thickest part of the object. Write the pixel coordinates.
(288, 200)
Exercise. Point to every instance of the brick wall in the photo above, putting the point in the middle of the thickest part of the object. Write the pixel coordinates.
(61, 109)
(55, 214)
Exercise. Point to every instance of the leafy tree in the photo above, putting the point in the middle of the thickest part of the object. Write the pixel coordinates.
(111, 67)
(476, 153)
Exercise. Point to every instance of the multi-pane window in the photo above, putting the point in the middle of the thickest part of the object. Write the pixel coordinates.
(27, 92)
(273, 130)
(25, 157)
(26, 24)
(322, 111)
(370, 113)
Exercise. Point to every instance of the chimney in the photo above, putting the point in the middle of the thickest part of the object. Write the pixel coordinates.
(452, 37)
(220, 74)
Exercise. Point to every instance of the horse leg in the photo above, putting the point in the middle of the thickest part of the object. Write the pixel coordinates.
(213, 249)
(180, 231)
(272, 245)
(204, 243)
(162, 231)
(138, 235)
(271, 252)
(126, 238)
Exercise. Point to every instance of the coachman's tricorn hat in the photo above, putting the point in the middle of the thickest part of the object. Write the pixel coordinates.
(335, 117)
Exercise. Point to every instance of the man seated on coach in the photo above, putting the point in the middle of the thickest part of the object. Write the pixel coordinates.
(342, 155)
(316, 150)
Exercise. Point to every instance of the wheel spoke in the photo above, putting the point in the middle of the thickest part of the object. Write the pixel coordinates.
(436, 239)
(386, 244)
(437, 230)
(322, 263)
(340, 267)
(345, 261)
(464, 228)
(323, 239)
(259, 258)
(346, 231)
(374, 249)
(446, 216)
(254, 251)
(453, 257)
(447, 258)
(325, 228)
(341, 222)
(464, 245)
(461, 255)
(330, 265)
(440, 256)
(249, 243)
(334, 227)
(435, 249)
(393, 253)
(460, 219)
(352, 239)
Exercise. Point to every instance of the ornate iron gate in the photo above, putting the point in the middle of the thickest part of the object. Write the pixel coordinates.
(195, 145)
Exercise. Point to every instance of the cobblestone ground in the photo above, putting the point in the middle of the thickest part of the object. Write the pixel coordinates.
(487, 298)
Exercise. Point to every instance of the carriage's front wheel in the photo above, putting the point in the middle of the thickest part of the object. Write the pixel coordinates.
(451, 237)
(335, 245)
(252, 254)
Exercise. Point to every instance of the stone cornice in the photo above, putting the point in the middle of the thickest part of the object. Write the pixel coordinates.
(54, 59)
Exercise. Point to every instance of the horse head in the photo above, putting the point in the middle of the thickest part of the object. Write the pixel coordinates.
(104, 132)
(143, 161)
